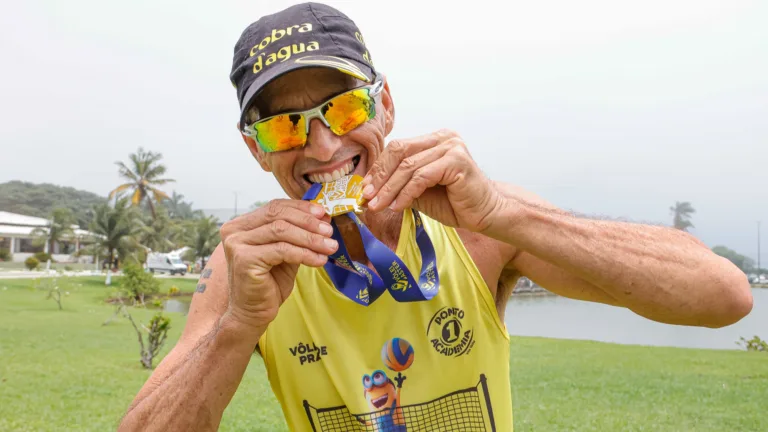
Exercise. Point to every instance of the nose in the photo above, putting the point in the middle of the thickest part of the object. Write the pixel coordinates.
(322, 144)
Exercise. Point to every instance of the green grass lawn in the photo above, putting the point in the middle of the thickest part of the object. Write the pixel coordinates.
(10, 265)
(63, 370)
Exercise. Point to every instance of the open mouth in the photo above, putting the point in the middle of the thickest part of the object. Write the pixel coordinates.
(335, 175)
(380, 401)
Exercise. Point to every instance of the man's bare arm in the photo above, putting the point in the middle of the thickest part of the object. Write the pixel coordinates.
(195, 382)
(252, 272)
(660, 273)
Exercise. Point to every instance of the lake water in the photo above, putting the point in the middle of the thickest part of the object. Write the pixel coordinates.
(559, 317)
(180, 306)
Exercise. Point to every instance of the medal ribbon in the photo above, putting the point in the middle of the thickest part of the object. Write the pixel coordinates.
(358, 283)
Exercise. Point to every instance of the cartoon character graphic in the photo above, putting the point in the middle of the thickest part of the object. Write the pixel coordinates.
(380, 392)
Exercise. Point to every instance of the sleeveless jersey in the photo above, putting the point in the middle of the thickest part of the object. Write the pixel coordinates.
(437, 365)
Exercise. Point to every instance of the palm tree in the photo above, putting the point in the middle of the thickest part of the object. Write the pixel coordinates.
(180, 209)
(62, 220)
(116, 228)
(159, 233)
(203, 239)
(143, 176)
(682, 212)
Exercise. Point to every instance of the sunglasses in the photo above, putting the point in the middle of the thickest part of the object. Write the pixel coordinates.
(342, 113)
(378, 378)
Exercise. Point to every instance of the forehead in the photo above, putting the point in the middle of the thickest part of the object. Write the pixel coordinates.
(302, 89)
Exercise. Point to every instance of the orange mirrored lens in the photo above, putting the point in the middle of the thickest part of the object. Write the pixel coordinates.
(282, 132)
(349, 111)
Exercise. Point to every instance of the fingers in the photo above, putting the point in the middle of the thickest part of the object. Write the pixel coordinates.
(394, 154)
(436, 173)
(284, 231)
(282, 252)
(303, 214)
(403, 174)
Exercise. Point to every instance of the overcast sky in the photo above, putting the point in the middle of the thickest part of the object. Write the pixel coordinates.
(614, 108)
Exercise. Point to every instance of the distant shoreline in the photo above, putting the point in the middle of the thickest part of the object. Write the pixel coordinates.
(532, 290)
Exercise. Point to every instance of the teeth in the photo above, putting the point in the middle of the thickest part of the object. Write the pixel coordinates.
(335, 175)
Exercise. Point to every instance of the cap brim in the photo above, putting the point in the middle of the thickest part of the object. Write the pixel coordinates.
(353, 68)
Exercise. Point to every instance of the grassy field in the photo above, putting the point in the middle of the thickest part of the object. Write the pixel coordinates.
(64, 371)
(10, 265)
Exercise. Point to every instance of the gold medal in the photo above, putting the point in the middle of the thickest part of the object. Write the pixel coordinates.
(342, 196)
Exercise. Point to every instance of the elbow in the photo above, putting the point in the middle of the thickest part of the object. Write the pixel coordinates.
(733, 299)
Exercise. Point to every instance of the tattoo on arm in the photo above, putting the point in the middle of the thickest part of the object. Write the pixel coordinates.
(205, 275)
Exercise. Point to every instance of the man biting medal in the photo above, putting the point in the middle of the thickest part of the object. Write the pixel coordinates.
(413, 271)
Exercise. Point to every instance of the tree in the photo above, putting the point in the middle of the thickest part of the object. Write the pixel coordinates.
(203, 239)
(51, 286)
(39, 200)
(116, 228)
(180, 209)
(682, 212)
(746, 264)
(159, 234)
(157, 333)
(62, 220)
(144, 175)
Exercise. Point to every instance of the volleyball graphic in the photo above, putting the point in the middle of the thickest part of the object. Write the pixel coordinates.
(397, 354)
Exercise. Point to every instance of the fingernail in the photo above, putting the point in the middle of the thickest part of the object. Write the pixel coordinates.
(366, 179)
(392, 206)
(368, 190)
(317, 210)
(325, 228)
(330, 243)
(373, 202)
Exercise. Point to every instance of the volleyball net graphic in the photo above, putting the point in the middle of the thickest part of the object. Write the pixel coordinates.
(467, 410)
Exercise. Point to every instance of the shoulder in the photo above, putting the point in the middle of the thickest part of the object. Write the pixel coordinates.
(489, 255)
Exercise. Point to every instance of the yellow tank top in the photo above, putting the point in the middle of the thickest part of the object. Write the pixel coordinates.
(437, 365)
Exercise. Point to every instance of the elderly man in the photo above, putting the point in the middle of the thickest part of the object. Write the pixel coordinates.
(350, 338)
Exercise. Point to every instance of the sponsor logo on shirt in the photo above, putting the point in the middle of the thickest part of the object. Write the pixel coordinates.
(449, 334)
(308, 353)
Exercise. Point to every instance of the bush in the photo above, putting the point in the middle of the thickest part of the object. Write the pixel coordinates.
(754, 344)
(32, 263)
(173, 291)
(157, 332)
(43, 257)
(51, 286)
(137, 282)
(5, 255)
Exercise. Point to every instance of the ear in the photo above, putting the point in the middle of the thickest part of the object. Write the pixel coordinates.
(389, 107)
(256, 151)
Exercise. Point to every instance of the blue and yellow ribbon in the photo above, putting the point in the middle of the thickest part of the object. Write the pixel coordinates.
(358, 283)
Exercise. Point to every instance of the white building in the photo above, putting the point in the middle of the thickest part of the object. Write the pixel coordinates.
(16, 235)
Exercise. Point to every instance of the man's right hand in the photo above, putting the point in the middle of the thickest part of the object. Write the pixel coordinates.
(264, 249)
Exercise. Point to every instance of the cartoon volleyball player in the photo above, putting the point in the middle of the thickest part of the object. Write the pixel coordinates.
(380, 391)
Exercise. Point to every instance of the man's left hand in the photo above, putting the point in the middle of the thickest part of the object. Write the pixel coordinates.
(436, 175)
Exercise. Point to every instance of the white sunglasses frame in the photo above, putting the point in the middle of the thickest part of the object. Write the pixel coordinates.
(250, 130)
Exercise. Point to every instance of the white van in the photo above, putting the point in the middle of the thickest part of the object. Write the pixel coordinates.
(166, 263)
